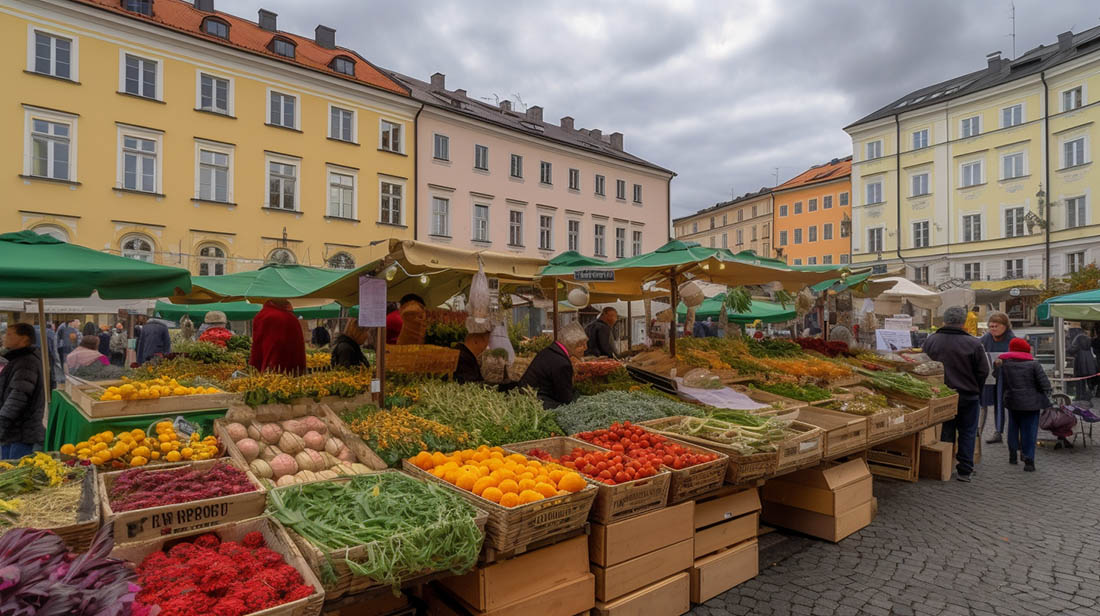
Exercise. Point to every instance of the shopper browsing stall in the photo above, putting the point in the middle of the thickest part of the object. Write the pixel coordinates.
(996, 340)
(86, 354)
(277, 341)
(601, 340)
(551, 372)
(347, 351)
(468, 370)
(22, 401)
(1026, 392)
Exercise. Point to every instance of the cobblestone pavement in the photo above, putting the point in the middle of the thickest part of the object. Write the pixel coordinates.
(1009, 543)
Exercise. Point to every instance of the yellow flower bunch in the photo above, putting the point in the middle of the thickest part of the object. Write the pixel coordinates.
(316, 361)
(54, 469)
(273, 387)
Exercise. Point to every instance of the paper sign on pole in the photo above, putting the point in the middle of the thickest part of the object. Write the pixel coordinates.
(892, 340)
(372, 302)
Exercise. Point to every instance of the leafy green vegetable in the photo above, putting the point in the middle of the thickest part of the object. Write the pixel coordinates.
(905, 383)
(805, 393)
(487, 414)
(600, 411)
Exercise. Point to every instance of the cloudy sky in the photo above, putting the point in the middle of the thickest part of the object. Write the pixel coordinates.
(723, 92)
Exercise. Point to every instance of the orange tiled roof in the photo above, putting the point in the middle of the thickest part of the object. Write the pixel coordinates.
(247, 35)
(821, 173)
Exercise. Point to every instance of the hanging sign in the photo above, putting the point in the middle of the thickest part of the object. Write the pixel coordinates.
(372, 302)
(594, 275)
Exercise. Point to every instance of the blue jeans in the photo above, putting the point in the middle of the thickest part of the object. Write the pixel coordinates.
(964, 429)
(1023, 431)
(14, 451)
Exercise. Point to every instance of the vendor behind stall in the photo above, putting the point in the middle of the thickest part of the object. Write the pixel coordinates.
(468, 370)
(551, 372)
(277, 341)
(347, 351)
(601, 340)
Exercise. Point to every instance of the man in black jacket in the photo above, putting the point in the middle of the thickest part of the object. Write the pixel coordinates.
(965, 368)
(468, 370)
(22, 400)
(347, 350)
(600, 340)
(551, 372)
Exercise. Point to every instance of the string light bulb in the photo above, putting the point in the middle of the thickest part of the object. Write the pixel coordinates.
(424, 279)
(391, 271)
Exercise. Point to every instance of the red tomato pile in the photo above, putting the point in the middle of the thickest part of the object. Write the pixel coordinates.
(641, 445)
(610, 468)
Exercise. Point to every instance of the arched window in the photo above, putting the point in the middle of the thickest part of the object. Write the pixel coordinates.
(215, 27)
(211, 260)
(283, 47)
(341, 260)
(343, 64)
(53, 231)
(137, 247)
(281, 256)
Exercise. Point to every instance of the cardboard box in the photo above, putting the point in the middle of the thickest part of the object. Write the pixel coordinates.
(715, 574)
(611, 544)
(936, 461)
(726, 507)
(617, 580)
(726, 534)
(828, 490)
(830, 528)
(516, 579)
(669, 597)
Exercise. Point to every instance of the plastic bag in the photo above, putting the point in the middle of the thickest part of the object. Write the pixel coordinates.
(499, 340)
(478, 307)
(494, 368)
(701, 378)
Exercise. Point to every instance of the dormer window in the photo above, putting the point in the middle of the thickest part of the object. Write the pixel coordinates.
(282, 47)
(215, 27)
(145, 7)
(343, 65)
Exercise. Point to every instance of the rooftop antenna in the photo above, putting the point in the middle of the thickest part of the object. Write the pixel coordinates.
(776, 176)
(1013, 17)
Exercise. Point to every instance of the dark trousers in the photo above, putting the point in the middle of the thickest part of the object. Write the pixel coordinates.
(14, 451)
(117, 359)
(964, 429)
(1023, 431)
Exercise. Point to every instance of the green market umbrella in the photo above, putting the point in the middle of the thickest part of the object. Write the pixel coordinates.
(1079, 306)
(237, 311)
(569, 261)
(269, 282)
(768, 312)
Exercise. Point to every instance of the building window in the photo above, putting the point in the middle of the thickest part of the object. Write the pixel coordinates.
(1014, 268)
(811, 206)
(546, 172)
(282, 47)
(546, 232)
(1075, 261)
(53, 231)
(341, 124)
(874, 193)
(343, 65)
(1012, 116)
(754, 233)
(441, 217)
(215, 27)
(637, 193)
(874, 150)
(481, 223)
(341, 195)
(782, 238)
(874, 239)
(598, 241)
(211, 260)
(620, 243)
(53, 55)
(140, 76)
(783, 210)
(740, 238)
(972, 271)
(797, 262)
(281, 256)
(846, 227)
(515, 228)
(50, 151)
(574, 179)
(1075, 212)
(517, 166)
(1073, 99)
(573, 232)
(920, 139)
(137, 247)
(798, 235)
(811, 261)
(694, 227)
(213, 94)
(636, 244)
(920, 274)
(139, 163)
(712, 241)
(145, 7)
(481, 157)
(812, 233)
(390, 137)
(282, 185)
(920, 234)
(826, 231)
(797, 207)
(843, 198)
(971, 174)
(972, 228)
(1073, 152)
(1014, 222)
(341, 261)
(920, 184)
(213, 175)
(711, 222)
(845, 258)
(1012, 166)
(282, 110)
(620, 189)
(827, 260)
(970, 127)
(826, 203)
(442, 147)
(600, 185)
(390, 211)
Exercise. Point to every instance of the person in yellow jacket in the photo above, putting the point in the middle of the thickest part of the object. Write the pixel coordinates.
(971, 325)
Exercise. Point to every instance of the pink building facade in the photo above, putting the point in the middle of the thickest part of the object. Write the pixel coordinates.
(492, 179)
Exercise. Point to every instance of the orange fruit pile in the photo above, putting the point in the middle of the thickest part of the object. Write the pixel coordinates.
(500, 477)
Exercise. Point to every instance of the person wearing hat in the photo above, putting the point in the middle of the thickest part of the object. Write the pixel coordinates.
(214, 318)
(551, 372)
(1026, 392)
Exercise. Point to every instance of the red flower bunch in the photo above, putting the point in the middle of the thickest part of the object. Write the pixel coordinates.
(216, 335)
(223, 578)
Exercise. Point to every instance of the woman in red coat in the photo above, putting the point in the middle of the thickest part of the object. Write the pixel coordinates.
(277, 341)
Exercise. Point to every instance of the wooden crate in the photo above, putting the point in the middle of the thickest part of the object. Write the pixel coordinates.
(509, 528)
(939, 409)
(147, 524)
(741, 468)
(87, 398)
(899, 458)
(78, 535)
(885, 425)
(843, 433)
(803, 449)
(779, 402)
(277, 540)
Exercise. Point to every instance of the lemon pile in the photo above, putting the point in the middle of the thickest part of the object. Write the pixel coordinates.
(153, 389)
(135, 448)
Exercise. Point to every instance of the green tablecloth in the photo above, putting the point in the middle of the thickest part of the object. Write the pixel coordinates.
(67, 424)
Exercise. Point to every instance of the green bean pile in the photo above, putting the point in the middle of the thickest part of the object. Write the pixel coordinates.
(747, 439)
(407, 527)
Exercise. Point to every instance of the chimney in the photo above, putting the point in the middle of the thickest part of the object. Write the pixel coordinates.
(567, 123)
(460, 92)
(994, 61)
(268, 20)
(534, 114)
(1065, 40)
(325, 37)
(583, 131)
(207, 6)
(617, 141)
(439, 81)
(506, 105)
(596, 133)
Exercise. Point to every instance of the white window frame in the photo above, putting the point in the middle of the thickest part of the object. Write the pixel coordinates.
(811, 234)
(826, 232)
(783, 238)
(811, 261)
(297, 109)
(1020, 271)
(845, 258)
(1019, 220)
(440, 216)
(637, 193)
(1004, 165)
(1013, 109)
(74, 53)
(403, 211)
(880, 231)
(620, 190)
(382, 130)
(1082, 97)
(922, 233)
(1080, 216)
(546, 233)
(599, 239)
(843, 200)
(354, 124)
(122, 53)
(740, 235)
(1084, 139)
(125, 130)
(620, 242)
(230, 93)
(515, 240)
(31, 113)
(515, 163)
(477, 149)
(220, 148)
(968, 167)
(474, 222)
(574, 179)
(331, 169)
(867, 192)
(811, 206)
(975, 272)
(797, 235)
(980, 228)
(573, 237)
(636, 239)
(783, 209)
(144, 237)
(441, 147)
(873, 149)
(922, 142)
(975, 120)
(827, 260)
(921, 178)
(546, 172)
(297, 164)
(211, 262)
(600, 185)
(1073, 263)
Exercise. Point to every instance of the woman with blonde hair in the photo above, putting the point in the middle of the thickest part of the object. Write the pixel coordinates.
(996, 340)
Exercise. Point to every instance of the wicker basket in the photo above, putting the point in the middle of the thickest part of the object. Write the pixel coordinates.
(740, 469)
(421, 359)
(78, 535)
(687, 483)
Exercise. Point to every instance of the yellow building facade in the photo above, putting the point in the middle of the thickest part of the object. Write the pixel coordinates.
(743, 223)
(194, 138)
(985, 180)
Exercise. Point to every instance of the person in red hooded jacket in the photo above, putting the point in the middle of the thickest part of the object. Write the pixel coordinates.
(277, 341)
